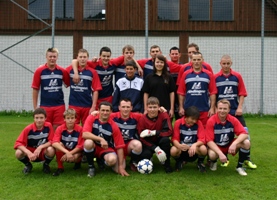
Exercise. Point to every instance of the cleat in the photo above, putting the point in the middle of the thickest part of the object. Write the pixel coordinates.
(250, 164)
(91, 172)
(58, 172)
(201, 167)
(46, 169)
(168, 170)
(213, 166)
(225, 164)
(133, 166)
(77, 166)
(100, 163)
(241, 171)
(178, 165)
(27, 169)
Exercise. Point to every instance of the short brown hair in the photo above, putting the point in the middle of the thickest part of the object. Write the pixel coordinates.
(153, 101)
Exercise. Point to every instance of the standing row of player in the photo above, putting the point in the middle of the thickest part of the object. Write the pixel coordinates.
(197, 84)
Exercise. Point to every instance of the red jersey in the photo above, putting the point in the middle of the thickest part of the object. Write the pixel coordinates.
(70, 140)
(188, 135)
(33, 137)
(161, 123)
(223, 133)
(107, 130)
(188, 66)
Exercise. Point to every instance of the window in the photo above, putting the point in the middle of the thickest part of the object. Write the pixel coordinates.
(64, 9)
(168, 9)
(199, 10)
(40, 8)
(222, 10)
(95, 9)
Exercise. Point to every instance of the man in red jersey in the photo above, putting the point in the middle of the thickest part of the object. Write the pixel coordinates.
(103, 140)
(34, 143)
(48, 80)
(225, 135)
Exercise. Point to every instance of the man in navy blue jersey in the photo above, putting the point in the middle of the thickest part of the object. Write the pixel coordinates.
(230, 86)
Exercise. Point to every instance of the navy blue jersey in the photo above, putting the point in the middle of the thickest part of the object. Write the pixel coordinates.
(128, 127)
(131, 89)
(230, 87)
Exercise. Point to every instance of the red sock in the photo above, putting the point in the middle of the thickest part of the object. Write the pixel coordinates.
(59, 155)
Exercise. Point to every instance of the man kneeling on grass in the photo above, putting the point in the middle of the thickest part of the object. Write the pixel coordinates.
(189, 140)
(68, 142)
(34, 143)
(104, 141)
(221, 130)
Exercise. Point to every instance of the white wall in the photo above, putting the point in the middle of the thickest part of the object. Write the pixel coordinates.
(16, 92)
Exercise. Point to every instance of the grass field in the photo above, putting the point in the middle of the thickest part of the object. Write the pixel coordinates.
(225, 183)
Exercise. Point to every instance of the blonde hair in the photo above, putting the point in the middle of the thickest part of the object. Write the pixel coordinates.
(224, 101)
(52, 50)
(69, 112)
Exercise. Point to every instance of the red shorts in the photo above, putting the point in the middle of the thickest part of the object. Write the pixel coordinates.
(99, 151)
(82, 113)
(54, 114)
(108, 99)
(225, 149)
(125, 149)
(41, 155)
(203, 118)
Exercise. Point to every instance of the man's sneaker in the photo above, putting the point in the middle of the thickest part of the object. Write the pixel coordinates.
(225, 164)
(201, 167)
(178, 165)
(91, 172)
(213, 166)
(241, 171)
(250, 164)
(100, 163)
(58, 172)
(168, 169)
(46, 169)
(27, 169)
(77, 166)
(133, 166)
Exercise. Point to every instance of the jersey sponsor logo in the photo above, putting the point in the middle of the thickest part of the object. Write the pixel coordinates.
(53, 82)
(228, 94)
(79, 87)
(187, 140)
(228, 90)
(53, 86)
(106, 80)
(196, 89)
(196, 86)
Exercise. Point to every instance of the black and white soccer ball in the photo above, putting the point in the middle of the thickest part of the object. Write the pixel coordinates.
(145, 166)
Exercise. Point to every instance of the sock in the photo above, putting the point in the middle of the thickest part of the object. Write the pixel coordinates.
(135, 156)
(201, 159)
(243, 153)
(25, 161)
(59, 155)
(90, 156)
(47, 160)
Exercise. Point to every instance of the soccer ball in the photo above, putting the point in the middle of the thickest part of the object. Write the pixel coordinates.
(145, 166)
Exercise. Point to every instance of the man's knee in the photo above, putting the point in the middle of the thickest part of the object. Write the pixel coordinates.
(88, 144)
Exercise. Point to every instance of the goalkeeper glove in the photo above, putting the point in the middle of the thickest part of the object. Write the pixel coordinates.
(160, 154)
(147, 133)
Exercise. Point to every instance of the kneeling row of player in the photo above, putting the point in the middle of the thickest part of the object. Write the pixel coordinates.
(110, 137)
